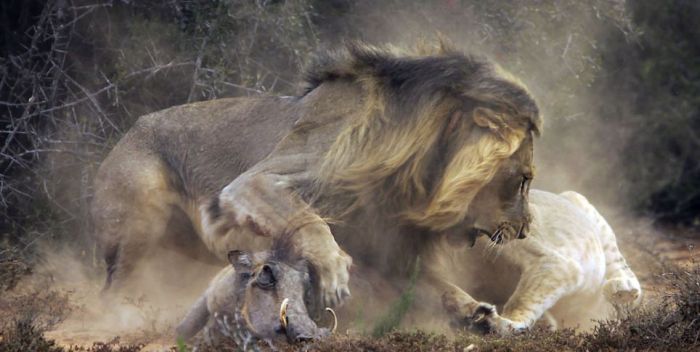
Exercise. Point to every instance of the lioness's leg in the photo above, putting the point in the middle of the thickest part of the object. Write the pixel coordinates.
(621, 286)
(539, 288)
(463, 310)
(440, 273)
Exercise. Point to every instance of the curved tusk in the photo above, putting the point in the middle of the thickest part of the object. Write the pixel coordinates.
(335, 319)
(283, 312)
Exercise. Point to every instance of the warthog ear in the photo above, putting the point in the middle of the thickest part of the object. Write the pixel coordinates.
(240, 260)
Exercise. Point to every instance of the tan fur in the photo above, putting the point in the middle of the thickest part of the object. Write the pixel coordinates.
(472, 168)
(392, 147)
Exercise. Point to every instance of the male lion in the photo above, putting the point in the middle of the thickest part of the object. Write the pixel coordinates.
(392, 148)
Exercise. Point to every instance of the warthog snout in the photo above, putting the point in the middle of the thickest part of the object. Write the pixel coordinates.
(299, 326)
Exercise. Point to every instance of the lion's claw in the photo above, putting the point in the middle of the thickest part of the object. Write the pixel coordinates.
(483, 311)
(334, 280)
(486, 320)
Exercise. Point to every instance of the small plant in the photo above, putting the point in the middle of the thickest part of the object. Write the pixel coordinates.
(181, 346)
(149, 313)
(399, 308)
(13, 267)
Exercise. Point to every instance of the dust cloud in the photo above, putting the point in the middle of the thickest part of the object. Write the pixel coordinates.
(144, 312)
(554, 49)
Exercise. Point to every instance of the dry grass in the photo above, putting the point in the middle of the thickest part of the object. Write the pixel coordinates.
(670, 321)
(673, 324)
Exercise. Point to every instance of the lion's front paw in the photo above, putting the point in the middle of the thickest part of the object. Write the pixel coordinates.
(486, 320)
(334, 276)
(316, 243)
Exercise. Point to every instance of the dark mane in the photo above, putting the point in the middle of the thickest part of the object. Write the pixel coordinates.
(407, 79)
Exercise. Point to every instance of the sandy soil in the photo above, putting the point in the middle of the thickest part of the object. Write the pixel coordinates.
(151, 322)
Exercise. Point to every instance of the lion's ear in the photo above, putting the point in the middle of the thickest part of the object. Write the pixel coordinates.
(241, 260)
(487, 118)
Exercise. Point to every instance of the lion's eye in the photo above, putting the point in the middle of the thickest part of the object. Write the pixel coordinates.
(524, 184)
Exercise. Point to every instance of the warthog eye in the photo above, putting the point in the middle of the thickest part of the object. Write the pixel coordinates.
(266, 277)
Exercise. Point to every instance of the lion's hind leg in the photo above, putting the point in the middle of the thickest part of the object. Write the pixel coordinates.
(132, 242)
(548, 322)
(130, 213)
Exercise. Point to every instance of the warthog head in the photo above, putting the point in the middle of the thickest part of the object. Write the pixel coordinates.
(273, 295)
(263, 296)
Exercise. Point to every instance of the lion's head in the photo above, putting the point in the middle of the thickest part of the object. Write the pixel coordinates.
(441, 137)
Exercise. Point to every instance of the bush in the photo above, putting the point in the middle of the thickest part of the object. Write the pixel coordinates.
(654, 79)
(75, 75)
(23, 336)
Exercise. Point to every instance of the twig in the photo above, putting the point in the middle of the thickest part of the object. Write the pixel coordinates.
(197, 66)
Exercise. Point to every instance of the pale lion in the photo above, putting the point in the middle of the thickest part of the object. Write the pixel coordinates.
(569, 271)
(393, 148)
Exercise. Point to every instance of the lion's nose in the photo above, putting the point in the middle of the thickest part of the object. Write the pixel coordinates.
(523, 232)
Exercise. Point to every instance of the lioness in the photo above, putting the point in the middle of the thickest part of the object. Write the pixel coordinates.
(568, 270)
(393, 148)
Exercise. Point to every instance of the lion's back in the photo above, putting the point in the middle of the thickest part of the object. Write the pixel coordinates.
(205, 145)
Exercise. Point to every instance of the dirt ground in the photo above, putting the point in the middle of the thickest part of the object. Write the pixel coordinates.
(149, 323)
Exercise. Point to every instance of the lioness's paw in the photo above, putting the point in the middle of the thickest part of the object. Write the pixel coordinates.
(486, 320)
(334, 277)
(622, 290)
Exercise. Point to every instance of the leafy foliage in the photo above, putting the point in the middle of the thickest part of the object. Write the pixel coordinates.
(662, 74)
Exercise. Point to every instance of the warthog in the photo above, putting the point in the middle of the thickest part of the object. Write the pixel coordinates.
(260, 296)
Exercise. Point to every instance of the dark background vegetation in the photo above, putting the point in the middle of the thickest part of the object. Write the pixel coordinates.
(619, 84)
